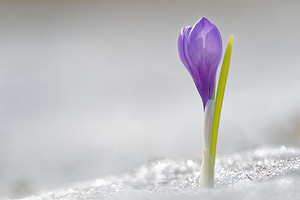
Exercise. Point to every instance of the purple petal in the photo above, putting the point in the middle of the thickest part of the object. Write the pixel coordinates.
(182, 47)
(200, 49)
(181, 40)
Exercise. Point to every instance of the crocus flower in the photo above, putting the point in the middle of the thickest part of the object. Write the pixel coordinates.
(200, 50)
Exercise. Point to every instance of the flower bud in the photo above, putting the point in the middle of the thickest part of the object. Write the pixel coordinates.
(200, 50)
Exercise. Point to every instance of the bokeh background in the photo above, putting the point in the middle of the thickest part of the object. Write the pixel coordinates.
(92, 88)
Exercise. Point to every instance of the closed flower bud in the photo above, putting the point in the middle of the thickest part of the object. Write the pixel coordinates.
(200, 50)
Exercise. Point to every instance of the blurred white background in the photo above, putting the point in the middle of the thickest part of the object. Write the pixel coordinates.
(92, 88)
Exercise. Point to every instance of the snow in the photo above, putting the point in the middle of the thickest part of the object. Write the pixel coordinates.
(268, 172)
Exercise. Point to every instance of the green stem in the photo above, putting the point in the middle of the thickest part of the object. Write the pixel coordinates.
(219, 101)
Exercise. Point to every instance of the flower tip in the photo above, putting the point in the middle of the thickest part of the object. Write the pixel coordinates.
(205, 21)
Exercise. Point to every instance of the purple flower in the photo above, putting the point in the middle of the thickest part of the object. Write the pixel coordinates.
(200, 50)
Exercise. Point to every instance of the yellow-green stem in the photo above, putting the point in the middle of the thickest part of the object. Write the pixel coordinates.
(219, 101)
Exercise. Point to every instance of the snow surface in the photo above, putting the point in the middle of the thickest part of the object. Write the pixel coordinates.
(263, 173)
